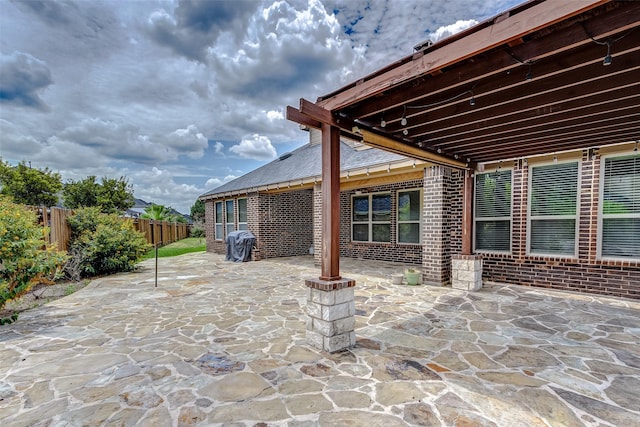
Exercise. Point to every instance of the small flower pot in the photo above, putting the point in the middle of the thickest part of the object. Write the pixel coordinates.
(396, 278)
(412, 277)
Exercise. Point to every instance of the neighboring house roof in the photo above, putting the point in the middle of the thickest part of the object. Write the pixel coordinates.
(305, 162)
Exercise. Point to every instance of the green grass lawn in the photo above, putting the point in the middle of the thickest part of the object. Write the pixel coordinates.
(184, 246)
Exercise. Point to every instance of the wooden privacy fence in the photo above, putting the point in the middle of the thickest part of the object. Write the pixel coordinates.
(157, 232)
(161, 232)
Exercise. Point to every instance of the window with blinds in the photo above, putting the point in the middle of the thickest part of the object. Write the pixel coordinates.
(242, 214)
(620, 207)
(553, 202)
(219, 221)
(492, 211)
(231, 224)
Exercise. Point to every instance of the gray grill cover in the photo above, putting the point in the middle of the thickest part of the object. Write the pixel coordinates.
(239, 245)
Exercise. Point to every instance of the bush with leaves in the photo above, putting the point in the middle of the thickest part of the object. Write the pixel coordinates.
(196, 231)
(108, 243)
(25, 258)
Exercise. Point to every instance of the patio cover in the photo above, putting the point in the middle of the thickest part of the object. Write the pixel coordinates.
(544, 77)
(534, 74)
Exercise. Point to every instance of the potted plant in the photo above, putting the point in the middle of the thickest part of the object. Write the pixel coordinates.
(396, 278)
(412, 275)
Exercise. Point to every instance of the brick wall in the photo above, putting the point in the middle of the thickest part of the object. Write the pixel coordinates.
(586, 273)
(210, 227)
(285, 223)
(281, 223)
(441, 227)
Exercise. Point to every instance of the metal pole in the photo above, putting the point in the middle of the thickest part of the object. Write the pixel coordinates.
(156, 265)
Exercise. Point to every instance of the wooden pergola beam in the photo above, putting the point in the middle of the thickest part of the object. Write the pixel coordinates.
(388, 144)
(501, 32)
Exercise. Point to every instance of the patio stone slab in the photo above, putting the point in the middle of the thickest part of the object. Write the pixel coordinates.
(221, 343)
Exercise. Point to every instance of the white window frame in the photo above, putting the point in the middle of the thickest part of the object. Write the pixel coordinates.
(575, 217)
(229, 226)
(413, 221)
(218, 220)
(477, 219)
(370, 223)
(602, 217)
(242, 225)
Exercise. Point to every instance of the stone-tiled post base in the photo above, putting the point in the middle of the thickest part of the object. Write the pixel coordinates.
(331, 314)
(466, 272)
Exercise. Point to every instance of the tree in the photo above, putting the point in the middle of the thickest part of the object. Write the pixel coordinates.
(81, 193)
(156, 212)
(111, 196)
(29, 186)
(197, 211)
(25, 258)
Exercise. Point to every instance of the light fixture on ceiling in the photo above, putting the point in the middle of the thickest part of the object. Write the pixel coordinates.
(403, 120)
(382, 122)
(607, 59)
(472, 101)
(405, 132)
(529, 75)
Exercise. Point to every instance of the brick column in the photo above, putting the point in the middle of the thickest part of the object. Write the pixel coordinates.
(317, 224)
(433, 247)
(331, 314)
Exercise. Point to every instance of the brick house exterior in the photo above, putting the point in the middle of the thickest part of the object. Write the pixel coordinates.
(285, 217)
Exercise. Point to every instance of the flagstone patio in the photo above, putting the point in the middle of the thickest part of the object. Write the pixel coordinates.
(220, 343)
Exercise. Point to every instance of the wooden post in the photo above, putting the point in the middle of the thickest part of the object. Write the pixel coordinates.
(467, 214)
(330, 263)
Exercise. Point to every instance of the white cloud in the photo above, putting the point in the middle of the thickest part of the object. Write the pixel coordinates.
(275, 115)
(213, 183)
(449, 30)
(187, 141)
(256, 147)
(218, 147)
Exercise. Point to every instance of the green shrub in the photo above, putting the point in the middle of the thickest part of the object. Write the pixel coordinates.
(196, 231)
(25, 259)
(105, 243)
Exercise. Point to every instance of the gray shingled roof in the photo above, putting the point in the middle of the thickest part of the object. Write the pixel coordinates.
(304, 162)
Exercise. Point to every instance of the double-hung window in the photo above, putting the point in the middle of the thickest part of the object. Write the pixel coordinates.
(492, 211)
(242, 214)
(231, 224)
(409, 215)
(620, 207)
(219, 221)
(553, 203)
(371, 218)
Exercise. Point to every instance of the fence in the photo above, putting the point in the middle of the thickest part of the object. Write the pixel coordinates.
(157, 232)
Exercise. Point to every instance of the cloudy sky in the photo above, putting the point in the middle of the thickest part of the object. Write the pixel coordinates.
(183, 96)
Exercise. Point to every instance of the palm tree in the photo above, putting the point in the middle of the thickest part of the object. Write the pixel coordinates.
(156, 212)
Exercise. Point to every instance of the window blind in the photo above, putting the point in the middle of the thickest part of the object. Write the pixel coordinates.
(621, 207)
(493, 211)
(553, 207)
